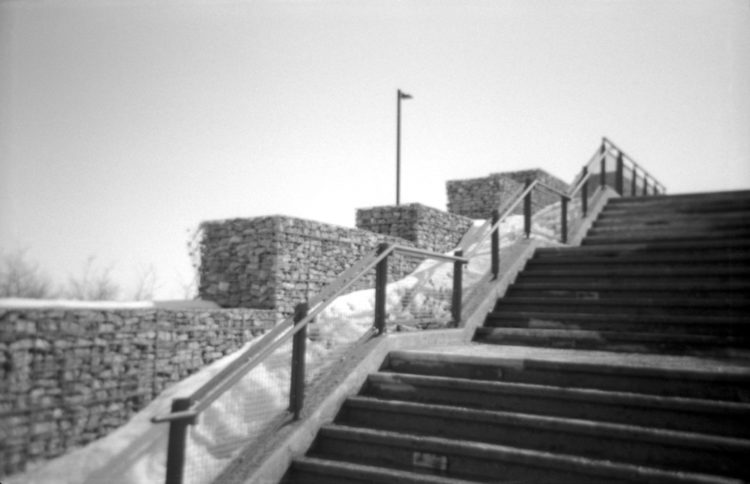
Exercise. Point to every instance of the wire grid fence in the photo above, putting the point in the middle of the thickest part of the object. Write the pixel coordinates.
(238, 418)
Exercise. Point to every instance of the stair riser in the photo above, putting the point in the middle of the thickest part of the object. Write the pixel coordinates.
(734, 330)
(663, 384)
(660, 320)
(634, 204)
(590, 294)
(643, 259)
(486, 468)
(677, 212)
(651, 237)
(625, 227)
(583, 306)
(718, 278)
(663, 248)
(618, 216)
(529, 435)
(648, 268)
(602, 286)
(624, 343)
(718, 422)
(733, 195)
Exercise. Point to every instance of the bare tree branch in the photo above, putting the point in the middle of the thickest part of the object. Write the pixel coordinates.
(21, 278)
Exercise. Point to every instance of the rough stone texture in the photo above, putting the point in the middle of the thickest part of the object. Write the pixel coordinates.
(72, 376)
(277, 262)
(427, 227)
(477, 197)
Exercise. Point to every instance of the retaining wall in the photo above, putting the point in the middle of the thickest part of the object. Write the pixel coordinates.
(277, 262)
(71, 376)
(427, 227)
(477, 197)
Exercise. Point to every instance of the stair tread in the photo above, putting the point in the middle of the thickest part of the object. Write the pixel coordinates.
(660, 366)
(575, 393)
(560, 424)
(653, 318)
(516, 454)
(604, 336)
(740, 244)
(635, 302)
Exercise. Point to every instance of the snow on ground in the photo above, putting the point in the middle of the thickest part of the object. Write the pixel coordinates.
(136, 452)
(24, 303)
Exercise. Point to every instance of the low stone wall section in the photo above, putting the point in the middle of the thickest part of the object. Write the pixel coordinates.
(277, 262)
(478, 197)
(71, 376)
(428, 228)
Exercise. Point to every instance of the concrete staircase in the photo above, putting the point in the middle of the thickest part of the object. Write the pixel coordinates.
(622, 360)
(664, 274)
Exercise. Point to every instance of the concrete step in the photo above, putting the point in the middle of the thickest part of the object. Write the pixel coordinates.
(615, 216)
(644, 258)
(313, 470)
(727, 195)
(697, 246)
(480, 461)
(620, 341)
(738, 326)
(705, 382)
(540, 317)
(707, 210)
(695, 273)
(654, 236)
(694, 415)
(667, 262)
(737, 196)
(659, 448)
(641, 306)
(697, 224)
(612, 289)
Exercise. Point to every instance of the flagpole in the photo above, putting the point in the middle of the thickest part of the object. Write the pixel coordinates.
(399, 96)
(398, 147)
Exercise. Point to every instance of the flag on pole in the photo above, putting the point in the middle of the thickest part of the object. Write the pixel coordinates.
(403, 95)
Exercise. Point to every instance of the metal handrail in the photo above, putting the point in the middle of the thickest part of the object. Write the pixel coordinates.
(212, 389)
(609, 144)
(495, 224)
(553, 190)
(185, 410)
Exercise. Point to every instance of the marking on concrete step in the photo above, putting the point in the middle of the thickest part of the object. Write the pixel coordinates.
(426, 460)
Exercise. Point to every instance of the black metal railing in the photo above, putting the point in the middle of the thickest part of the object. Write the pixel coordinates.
(186, 410)
(606, 151)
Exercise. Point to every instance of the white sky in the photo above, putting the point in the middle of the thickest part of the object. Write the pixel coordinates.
(125, 123)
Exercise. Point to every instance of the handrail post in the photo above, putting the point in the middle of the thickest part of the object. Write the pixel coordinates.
(603, 168)
(457, 288)
(619, 175)
(585, 193)
(299, 343)
(564, 221)
(634, 182)
(645, 184)
(495, 244)
(176, 442)
(527, 211)
(381, 280)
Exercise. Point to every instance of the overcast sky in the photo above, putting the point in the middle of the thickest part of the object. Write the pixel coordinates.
(124, 124)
